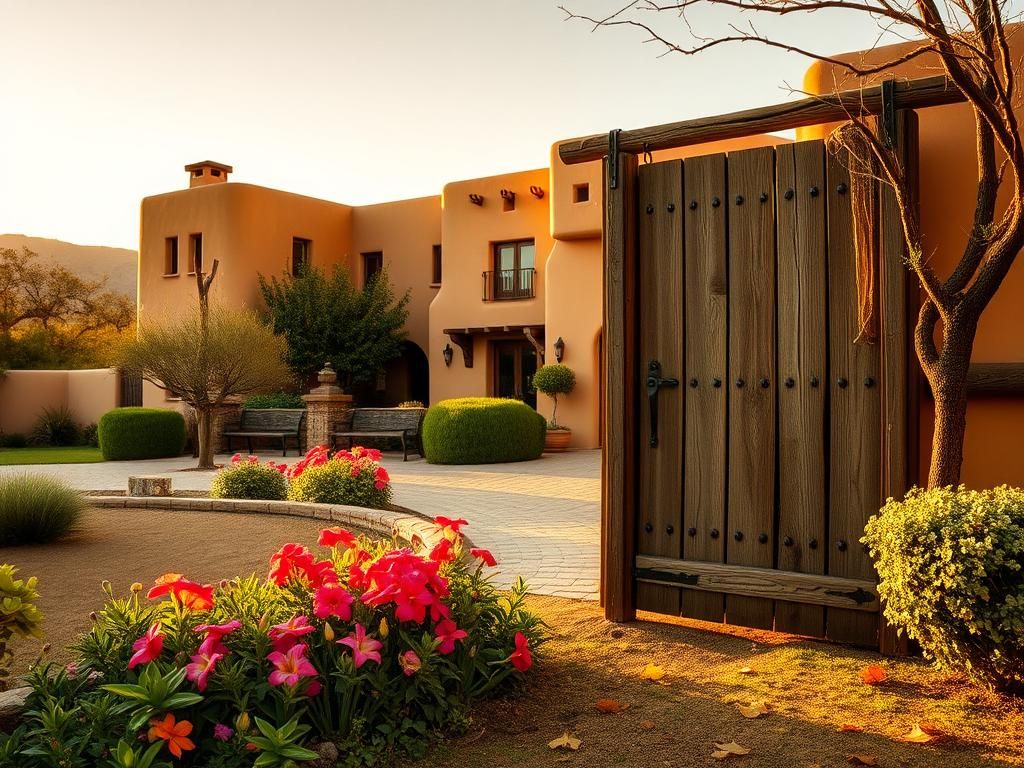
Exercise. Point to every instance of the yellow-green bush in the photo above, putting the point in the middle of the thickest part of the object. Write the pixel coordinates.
(19, 615)
(248, 479)
(37, 509)
(482, 430)
(950, 563)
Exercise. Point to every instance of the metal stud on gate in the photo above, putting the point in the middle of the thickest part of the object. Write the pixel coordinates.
(814, 381)
(693, 205)
(670, 207)
(669, 529)
(789, 194)
(813, 191)
(716, 383)
(739, 199)
(648, 526)
(764, 197)
(740, 383)
(790, 382)
(788, 541)
(691, 531)
(842, 382)
(869, 382)
(813, 543)
(765, 383)
(715, 202)
(841, 545)
(694, 383)
(714, 533)
(841, 188)
(650, 209)
(738, 536)
(763, 538)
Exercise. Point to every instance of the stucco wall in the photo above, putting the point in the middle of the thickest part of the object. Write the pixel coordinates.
(88, 394)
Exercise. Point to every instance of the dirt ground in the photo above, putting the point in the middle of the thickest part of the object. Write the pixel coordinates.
(811, 689)
(124, 545)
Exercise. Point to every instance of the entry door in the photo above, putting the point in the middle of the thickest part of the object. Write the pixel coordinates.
(515, 363)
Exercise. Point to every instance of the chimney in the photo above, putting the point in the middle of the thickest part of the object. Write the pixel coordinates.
(207, 172)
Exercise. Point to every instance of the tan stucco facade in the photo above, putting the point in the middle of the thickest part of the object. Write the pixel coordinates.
(87, 394)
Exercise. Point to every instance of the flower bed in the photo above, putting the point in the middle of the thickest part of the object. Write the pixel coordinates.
(371, 650)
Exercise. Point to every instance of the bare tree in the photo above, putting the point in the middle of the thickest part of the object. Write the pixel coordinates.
(207, 356)
(967, 40)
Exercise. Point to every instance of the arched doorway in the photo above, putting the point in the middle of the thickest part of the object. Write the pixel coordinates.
(407, 377)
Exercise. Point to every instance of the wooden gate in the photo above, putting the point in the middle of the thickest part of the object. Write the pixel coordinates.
(760, 443)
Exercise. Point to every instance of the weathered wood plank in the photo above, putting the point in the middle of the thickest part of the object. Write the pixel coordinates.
(855, 596)
(992, 380)
(855, 471)
(618, 467)
(660, 479)
(705, 412)
(751, 453)
(803, 367)
(826, 108)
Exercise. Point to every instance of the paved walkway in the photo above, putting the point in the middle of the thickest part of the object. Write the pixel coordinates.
(541, 519)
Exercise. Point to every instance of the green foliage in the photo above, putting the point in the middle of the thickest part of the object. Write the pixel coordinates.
(554, 380)
(141, 433)
(411, 404)
(279, 747)
(344, 479)
(19, 615)
(90, 435)
(326, 317)
(13, 440)
(55, 427)
(36, 509)
(482, 430)
(274, 400)
(249, 480)
(951, 564)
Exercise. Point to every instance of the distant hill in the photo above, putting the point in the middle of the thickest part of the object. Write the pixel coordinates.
(91, 262)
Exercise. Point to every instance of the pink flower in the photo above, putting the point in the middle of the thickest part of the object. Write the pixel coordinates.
(148, 647)
(521, 658)
(332, 537)
(313, 688)
(201, 667)
(410, 663)
(485, 555)
(214, 635)
(286, 635)
(290, 667)
(222, 732)
(448, 634)
(363, 648)
(236, 458)
(332, 600)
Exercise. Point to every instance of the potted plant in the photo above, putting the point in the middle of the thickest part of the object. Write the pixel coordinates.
(555, 380)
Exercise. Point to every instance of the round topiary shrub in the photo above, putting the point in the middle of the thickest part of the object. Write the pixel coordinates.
(141, 433)
(35, 509)
(482, 430)
(347, 477)
(248, 479)
(951, 564)
(554, 380)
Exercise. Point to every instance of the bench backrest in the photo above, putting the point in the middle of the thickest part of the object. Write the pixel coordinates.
(387, 419)
(272, 420)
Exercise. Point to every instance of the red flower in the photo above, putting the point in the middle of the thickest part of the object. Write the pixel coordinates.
(332, 600)
(447, 524)
(448, 634)
(521, 658)
(332, 537)
(411, 582)
(148, 647)
(381, 478)
(195, 597)
(442, 552)
(295, 561)
(485, 555)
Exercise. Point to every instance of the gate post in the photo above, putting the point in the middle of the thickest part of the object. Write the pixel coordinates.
(618, 459)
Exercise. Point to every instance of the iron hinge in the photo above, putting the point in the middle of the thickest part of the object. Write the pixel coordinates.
(889, 113)
(613, 158)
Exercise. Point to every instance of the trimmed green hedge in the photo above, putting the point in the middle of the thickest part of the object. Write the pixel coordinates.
(482, 430)
(141, 433)
(274, 400)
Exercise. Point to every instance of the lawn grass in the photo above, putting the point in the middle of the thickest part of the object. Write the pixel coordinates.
(48, 455)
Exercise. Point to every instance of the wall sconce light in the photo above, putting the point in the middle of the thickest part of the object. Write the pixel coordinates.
(447, 353)
(476, 199)
(537, 192)
(559, 349)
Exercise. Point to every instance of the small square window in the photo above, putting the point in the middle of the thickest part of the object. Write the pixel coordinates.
(580, 193)
(214, 172)
(197, 172)
(171, 256)
(437, 265)
(195, 253)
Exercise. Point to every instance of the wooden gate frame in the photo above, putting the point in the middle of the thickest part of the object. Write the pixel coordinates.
(901, 379)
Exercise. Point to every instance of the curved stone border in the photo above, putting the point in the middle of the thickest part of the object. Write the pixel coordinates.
(382, 522)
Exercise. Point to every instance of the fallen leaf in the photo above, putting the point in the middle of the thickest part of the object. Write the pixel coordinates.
(862, 759)
(872, 675)
(747, 671)
(851, 728)
(610, 706)
(918, 735)
(646, 725)
(931, 729)
(752, 710)
(722, 751)
(565, 741)
(652, 672)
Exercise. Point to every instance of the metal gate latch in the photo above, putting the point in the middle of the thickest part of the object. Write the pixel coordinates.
(654, 383)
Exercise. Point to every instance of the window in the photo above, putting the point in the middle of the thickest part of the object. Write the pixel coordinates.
(513, 270)
(373, 263)
(171, 256)
(197, 172)
(195, 253)
(437, 265)
(215, 172)
(300, 254)
(580, 193)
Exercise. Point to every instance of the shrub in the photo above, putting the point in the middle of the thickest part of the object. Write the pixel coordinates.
(411, 404)
(554, 380)
(13, 440)
(482, 430)
(347, 477)
(90, 435)
(141, 433)
(36, 509)
(950, 563)
(19, 618)
(275, 400)
(248, 479)
(374, 648)
(56, 427)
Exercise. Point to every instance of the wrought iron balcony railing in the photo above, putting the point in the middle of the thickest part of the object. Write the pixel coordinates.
(509, 284)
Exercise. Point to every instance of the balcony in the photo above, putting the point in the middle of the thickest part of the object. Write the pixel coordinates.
(509, 284)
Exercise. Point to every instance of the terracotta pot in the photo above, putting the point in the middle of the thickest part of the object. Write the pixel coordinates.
(557, 440)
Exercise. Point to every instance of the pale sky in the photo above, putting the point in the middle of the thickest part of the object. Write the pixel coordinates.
(103, 101)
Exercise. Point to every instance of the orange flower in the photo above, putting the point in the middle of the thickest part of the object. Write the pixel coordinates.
(195, 597)
(175, 734)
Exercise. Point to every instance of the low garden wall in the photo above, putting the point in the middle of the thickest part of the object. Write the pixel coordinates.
(88, 394)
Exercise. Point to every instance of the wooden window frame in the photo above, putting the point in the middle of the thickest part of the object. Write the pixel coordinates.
(367, 256)
(172, 263)
(307, 256)
(194, 264)
(438, 272)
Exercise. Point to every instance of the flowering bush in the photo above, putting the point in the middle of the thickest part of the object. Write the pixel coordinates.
(368, 650)
(247, 478)
(345, 477)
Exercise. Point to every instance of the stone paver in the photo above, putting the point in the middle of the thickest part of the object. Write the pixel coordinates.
(541, 519)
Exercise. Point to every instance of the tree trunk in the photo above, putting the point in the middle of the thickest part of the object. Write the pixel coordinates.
(204, 421)
(948, 437)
